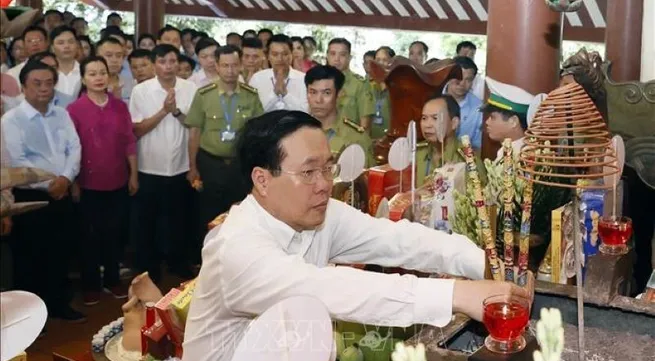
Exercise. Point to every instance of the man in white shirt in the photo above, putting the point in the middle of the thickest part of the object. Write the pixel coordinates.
(64, 45)
(206, 51)
(280, 241)
(36, 41)
(468, 49)
(159, 107)
(280, 87)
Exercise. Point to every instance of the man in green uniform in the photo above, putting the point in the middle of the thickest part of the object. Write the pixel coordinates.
(324, 83)
(217, 113)
(355, 100)
(440, 116)
(382, 115)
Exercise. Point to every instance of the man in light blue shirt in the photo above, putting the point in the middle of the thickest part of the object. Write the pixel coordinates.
(471, 118)
(41, 135)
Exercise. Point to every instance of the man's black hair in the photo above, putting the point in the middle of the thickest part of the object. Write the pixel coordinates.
(370, 54)
(205, 43)
(33, 65)
(253, 43)
(280, 39)
(86, 38)
(260, 141)
(42, 55)
(265, 30)
(465, 44)
(200, 34)
(232, 34)
(34, 28)
(166, 29)
(181, 58)
(146, 36)
(188, 31)
(310, 39)
(112, 31)
(506, 114)
(107, 40)
(465, 62)
(341, 41)
(55, 12)
(422, 44)
(227, 50)
(76, 19)
(451, 104)
(140, 54)
(249, 32)
(60, 30)
(325, 72)
(114, 15)
(162, 50)
(389, 51)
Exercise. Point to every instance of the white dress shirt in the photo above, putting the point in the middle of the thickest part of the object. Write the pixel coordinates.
(200, 78)
(70, 83)
(15, 72)
(296, 98)
(477, 88)
(254, 261)
(163, 151)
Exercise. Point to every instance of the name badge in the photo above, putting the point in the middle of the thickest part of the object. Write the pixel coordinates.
(227, 136)
(378, 120)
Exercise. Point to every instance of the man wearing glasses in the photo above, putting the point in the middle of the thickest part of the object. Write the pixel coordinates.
(36, 41)
(280, 240)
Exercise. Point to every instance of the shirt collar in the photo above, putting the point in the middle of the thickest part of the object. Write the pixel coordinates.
(31, 112)
(450, 151)
(222, 91)
(157, 85)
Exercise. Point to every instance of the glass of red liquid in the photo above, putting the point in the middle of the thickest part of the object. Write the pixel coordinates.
(614, 234)
(505, 317)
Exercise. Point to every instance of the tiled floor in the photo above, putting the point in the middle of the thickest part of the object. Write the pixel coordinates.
(72, 340)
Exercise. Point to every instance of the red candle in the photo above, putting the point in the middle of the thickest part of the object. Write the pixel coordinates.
(614, 232)
(505, 320)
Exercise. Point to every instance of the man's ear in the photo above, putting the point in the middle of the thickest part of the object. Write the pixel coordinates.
(514, 120)
(260, 180)
(455, 123)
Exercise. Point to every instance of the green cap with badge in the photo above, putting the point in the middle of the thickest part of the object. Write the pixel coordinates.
(508, 97)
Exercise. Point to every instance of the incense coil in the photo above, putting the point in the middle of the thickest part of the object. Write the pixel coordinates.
(569, 125)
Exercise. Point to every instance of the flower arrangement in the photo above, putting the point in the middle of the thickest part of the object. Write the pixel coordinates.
(550, 335)
(409, 353)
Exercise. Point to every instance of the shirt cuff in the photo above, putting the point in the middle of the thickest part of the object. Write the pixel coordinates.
(434, 301)
(69, 174)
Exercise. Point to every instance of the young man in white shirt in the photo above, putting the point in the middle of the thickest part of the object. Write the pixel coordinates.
(159, 107)
(206, 51)
(280, 241)
(280, 87)
(64, 45)
(36, 41)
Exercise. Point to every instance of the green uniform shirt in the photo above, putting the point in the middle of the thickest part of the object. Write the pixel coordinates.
(355, 99)
(382, 109)
(425, 165)
(346, 132)
(209, 110)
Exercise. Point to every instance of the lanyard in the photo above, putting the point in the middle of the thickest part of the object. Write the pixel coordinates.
(331, 133)
(227, 114)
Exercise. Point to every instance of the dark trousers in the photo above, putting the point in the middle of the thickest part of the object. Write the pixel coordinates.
(162, 201)
(41, 247)
(103, 215)
(222, 186)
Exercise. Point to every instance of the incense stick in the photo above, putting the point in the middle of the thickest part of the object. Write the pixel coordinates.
(508, 209)
(524, 238)
(487, 237)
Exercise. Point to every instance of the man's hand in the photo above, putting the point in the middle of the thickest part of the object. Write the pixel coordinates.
(468, 296)
(170, 104)
(192, 175)
(133, 184)
(58, 188)
(280, 84)
(76, 192)
(5, 226)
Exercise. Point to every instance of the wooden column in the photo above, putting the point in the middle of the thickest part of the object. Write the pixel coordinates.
(149, 16)
(35, 4)
(524, 40)
(623, 38)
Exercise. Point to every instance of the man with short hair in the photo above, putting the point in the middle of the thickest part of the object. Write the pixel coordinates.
(233, 39)
(114, 53)
(170, 35)
(418, 52)
(187, 42)
(252, 58)
(40, 135)
(36, 41)
(53, 18)
(215, 118)
(65, 47)
(368, 57)
(205, 51)
(159, 107)
(114, 19)
(265, 35)
(280, 87)
(186, 66)
(468, 49)
(471, 118)
(60, 99)
(250, 33)
(80, 25)
(280, 240)
(324, 85)
(355, 101)
(141, 65)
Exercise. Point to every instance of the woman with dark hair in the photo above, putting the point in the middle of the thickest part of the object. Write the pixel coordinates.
(17, 53)
(107, 175)
(300, 60)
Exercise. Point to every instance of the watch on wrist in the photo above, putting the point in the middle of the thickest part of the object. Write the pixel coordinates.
(177, 112)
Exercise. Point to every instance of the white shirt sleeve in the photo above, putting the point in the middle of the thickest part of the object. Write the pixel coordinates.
(261, 82)
(136, 104)
(296, 98)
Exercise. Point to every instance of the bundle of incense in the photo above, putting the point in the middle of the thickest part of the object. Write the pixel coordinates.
(487, 236)
(508, 210)
(524, 238)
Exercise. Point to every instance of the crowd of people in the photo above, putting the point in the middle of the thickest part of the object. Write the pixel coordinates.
(141, 135)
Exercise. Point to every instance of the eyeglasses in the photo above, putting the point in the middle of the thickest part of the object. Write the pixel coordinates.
(310, 176)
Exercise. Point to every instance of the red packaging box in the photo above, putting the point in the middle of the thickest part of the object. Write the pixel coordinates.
(384, 182)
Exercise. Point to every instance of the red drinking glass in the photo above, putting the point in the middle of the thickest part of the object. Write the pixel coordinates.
(505, 317)
(614, 234)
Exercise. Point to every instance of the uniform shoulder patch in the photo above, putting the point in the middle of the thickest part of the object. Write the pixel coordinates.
(207, 88)
(358, 77)
(421, 145)
(247, 87)
(353, 125)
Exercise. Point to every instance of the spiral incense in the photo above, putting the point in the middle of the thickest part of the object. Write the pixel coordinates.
(508, 211)
(487, 237)
(524, 240)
